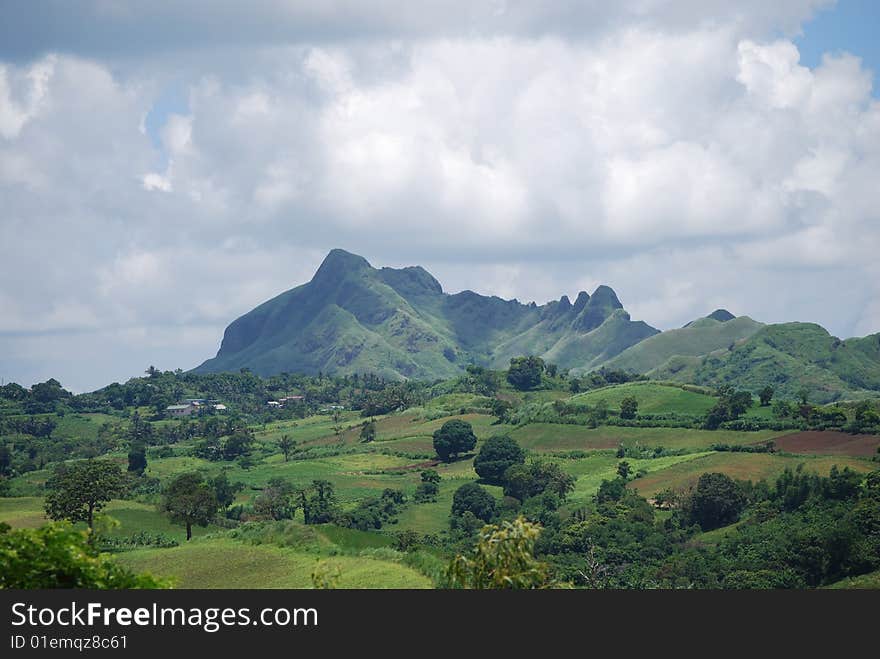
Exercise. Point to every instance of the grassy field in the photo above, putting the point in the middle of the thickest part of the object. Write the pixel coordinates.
(653, 398)
(555, 437)
(591, 471)
(22, 512)
(434, 517)
(226, 563)
(743, 466)
(865, 581)
(27, 512)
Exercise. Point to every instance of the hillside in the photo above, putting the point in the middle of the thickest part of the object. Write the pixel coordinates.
(399, 323)
(697, 338)
(789, 357)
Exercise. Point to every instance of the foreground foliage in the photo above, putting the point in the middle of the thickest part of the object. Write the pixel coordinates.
(58, 556)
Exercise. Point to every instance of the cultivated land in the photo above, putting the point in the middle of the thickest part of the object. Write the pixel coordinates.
(329, 448)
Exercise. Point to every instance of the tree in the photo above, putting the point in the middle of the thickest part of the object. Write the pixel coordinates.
(803, 394)
(504, 557)
(454, 437)
(623, 469)
(189, 500)
(277, 500)
(766, 395)
(496, 455)
(80, 489)
(472, 498)
(739, 402)
(287, 445)
(5, 460)
(717, 500)
(318, 502)
(56, 555)
(137, 458)
(224, 491)
(368, 431)
(729, 406)
(525, 481)
(501, 409)
(525, 372)
(238, 444)
(629, 406)
(428, 489)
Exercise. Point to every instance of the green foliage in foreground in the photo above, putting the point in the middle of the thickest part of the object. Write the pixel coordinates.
(504, 557)
(58, 556)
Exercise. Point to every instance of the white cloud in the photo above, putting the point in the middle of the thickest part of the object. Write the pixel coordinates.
(687, 159)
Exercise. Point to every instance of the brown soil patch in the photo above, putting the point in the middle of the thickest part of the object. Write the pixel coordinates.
(829, 442)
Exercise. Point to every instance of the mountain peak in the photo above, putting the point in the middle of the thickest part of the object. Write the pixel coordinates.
(721, 315)
(398, 323)
(581, 301)
(338, 262)
(604, 296)
(411, 280)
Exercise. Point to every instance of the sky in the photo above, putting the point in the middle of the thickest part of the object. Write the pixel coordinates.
(167, 166)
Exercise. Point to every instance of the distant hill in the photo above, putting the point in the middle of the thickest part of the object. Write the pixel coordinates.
(789, 357)
(399, 323)
(697, 338)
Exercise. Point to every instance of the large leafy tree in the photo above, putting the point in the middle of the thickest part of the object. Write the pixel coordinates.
(277, 500)
(318, 502)
(474, 499)
(78, 490)
(525, 372)
(454, 437)
(496, 456)
(629, 407)
(224, 490)
(717, 500)
(189, 500)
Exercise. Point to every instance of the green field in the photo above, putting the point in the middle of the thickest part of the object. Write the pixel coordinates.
(866, 581)
(742, 466)
(590, 472)
(556, 437)
(133, 517)
(265, 554)
(653, 398)
(22, 512)
(227, 563)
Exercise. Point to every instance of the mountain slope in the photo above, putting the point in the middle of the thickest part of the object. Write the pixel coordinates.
(697, 338)
(398, 323)
(789, 357)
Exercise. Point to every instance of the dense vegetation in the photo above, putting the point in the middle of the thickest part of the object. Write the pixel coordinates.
(603, 479)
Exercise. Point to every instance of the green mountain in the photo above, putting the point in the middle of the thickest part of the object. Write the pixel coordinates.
(789, 357)
(717, 331)
(398, 323)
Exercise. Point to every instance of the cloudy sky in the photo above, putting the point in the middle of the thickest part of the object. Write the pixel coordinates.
(166, 166)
